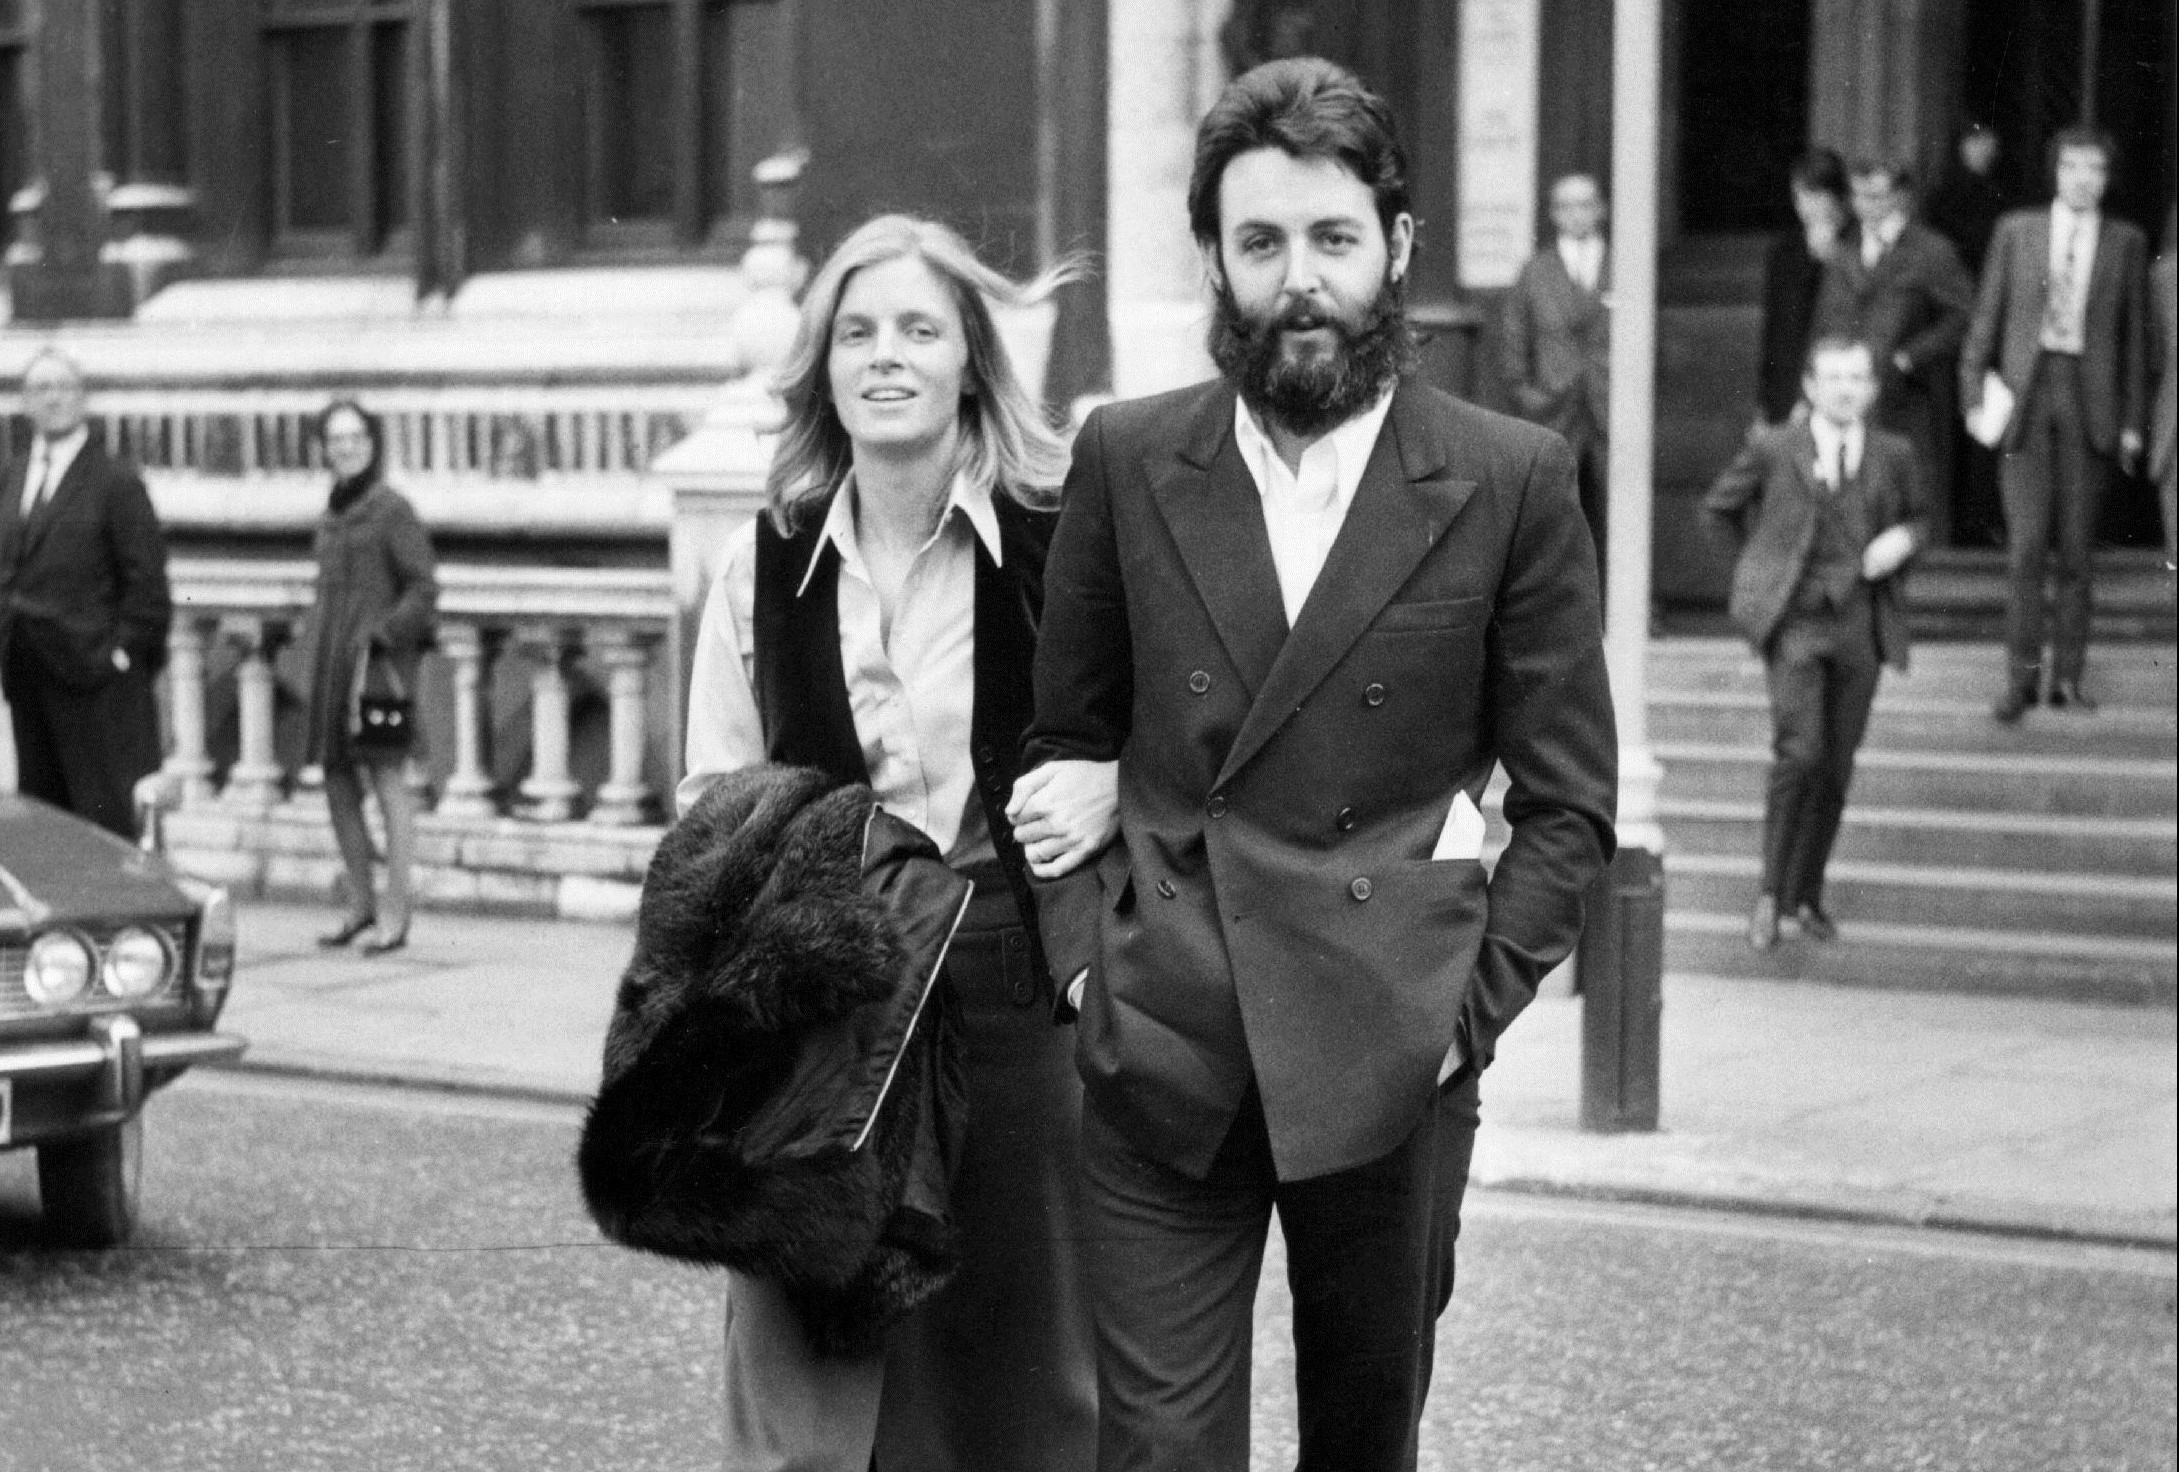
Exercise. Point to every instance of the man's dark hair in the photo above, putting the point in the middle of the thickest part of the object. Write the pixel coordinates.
(1306, 107)
(1836, 342)
(1896, 173)
(1821, 169)
(2081, 135)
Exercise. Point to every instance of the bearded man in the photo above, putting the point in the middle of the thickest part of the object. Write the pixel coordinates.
(1306, 608)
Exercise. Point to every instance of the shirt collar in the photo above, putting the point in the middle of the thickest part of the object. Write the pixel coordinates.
(2064, 217)
(64, 450)
(1351, 443)
(971, 498)
(1829, 437)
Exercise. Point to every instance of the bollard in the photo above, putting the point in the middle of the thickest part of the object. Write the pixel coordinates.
(1620, 971)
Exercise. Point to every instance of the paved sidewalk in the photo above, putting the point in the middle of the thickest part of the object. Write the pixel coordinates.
(2014, 1115)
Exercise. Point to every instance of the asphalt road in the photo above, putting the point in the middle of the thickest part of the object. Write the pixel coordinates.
(333, 1277)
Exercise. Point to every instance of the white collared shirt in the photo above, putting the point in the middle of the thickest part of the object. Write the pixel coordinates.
(913, 694)
(49, 462)
(1304, 510)
(1880, 237)
(1829, 437)
(2064, 321)
(1584, 260)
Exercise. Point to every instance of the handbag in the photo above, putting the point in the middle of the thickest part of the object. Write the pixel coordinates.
(383, 719)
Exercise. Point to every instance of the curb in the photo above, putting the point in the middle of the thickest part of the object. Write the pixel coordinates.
(1995, 1223)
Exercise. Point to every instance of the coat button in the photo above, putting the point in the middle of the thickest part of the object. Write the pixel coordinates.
(1199, 682)
(1216, 807)
(1165, 889)
(1345, 820)
(1360, 889)
(1023, 994)
(1374, 694)
(983, 756)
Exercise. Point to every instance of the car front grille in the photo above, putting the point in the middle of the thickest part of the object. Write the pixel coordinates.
(15, 999)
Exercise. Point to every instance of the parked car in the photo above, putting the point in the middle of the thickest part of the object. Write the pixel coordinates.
(113, 970)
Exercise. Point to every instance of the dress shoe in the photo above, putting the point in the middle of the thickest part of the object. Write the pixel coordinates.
(2013, 704)
(2067, 695)
(347, 931)
(386, 940)
(1815, 924)
(1763, 923)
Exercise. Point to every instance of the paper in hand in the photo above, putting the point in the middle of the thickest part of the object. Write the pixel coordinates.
(1987, 420)
(1462, 835)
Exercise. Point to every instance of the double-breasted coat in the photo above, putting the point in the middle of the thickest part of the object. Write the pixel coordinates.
(377, 585)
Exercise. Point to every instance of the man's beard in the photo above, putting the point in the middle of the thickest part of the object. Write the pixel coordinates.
(1311, 394)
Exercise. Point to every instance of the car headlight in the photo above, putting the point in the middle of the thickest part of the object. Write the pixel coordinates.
(59, 969)
(137, 963)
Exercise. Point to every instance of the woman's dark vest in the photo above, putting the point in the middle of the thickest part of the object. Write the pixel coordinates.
(801, 687)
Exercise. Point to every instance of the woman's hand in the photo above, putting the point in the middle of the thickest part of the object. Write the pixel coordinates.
(1064, 812)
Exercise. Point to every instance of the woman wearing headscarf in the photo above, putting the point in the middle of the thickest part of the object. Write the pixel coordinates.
(377, 593)
(878, 623)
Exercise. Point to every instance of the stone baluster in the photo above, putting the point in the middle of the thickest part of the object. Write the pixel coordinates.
(253, 783)
(191, 759)
(549, 792)
(470, 649)
(624, 800)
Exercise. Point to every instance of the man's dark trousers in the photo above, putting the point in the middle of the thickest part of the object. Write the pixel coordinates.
(1823, 667)
(2053, 481)
(1369, 1262)
(83, 750)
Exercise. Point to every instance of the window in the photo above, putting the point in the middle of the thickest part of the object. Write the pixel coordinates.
(337, 90)
(14, 117)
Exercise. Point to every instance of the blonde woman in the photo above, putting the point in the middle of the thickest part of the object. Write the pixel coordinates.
(879, 623)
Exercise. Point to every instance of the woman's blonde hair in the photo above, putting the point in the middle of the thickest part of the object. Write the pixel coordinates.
(1007, 444)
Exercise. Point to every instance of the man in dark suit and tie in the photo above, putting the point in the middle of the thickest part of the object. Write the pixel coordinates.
(1307, 608)
(2060, 319)
(1898, 286)
(84, 609)
(1556, 338)
(1822, 517)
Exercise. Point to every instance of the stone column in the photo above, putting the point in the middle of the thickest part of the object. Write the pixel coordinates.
(549, 792)
(151, 209)
(1165, 71)
(54, 271)
(470, 650)
(253, 783)
(624, 800)
(190, 762)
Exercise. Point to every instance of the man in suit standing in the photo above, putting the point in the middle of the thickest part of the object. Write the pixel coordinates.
(1557, 339)
(2060, 318)
(84, 609)
(1307, 607)
(1821, 516)
(1898, 286)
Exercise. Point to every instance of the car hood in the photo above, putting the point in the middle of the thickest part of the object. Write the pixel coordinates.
(56, 867)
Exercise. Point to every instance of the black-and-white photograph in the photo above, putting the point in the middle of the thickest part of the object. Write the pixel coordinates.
(1089, 735)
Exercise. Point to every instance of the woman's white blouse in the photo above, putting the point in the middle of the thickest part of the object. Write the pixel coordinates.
(912, 692)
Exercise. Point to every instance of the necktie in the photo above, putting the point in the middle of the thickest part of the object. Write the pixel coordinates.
(2058, 304)
(34, 481)
(1838, 463)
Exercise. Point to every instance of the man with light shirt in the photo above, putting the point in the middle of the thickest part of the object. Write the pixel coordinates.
(1822, 517)
(1556, 340)
(2060, 322)
(84, 608)
(1308, 607)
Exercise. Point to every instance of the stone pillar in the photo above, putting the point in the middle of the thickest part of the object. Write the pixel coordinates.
(190, 762)
(716, 476)
(253, 783)
(54, 271)
(1165, 72)
(1884, 77)
(151, 210)
(549, 792)
(470, 650)
(624, 800)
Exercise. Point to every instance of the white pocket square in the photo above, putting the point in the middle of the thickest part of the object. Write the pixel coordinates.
(1462, 835)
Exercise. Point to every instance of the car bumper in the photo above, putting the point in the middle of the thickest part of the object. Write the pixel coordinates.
(57, 1088)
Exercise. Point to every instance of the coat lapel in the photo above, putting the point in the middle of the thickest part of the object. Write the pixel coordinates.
(2035, 270)
(1212, 508)
(1404, 503)
(48, 508)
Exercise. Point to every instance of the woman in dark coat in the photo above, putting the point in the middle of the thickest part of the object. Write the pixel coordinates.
(878, 623)
(376, 596)
(1792, 275)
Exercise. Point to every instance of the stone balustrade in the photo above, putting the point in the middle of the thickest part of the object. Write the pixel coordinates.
(538, 837)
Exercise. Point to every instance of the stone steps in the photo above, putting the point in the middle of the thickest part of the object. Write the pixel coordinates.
(2037, 859)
